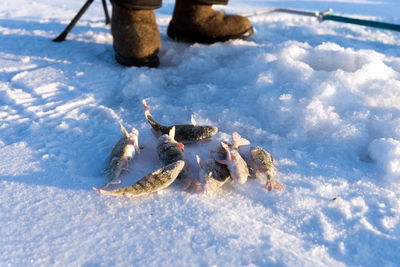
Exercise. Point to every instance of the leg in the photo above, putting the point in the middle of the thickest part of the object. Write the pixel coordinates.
(194, 21)
(136, 38)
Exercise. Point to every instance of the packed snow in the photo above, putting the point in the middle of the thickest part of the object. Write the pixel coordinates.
(322, 98)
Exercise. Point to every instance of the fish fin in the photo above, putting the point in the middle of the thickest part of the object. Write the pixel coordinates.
(144, 102)
(147, 114)
(229, 155)
(123, 130)
(192, 120)
(186, 184)
(274, 186)
(199, 162)
(126, 166)
(118, 181)
(102, 191)
(172, 133)
(228, 152)
(238, 140)
(197, 187)
(222, 161)
(225, 146)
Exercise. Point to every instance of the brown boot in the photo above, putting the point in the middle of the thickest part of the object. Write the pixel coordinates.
(199, 23)
(136, 36)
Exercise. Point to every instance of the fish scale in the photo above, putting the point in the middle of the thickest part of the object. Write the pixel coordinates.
(169, 150)
(151, 183)
(213, 175)
(183, 132)
(123, 151)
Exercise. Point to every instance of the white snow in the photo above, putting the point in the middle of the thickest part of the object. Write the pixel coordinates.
(322, 98)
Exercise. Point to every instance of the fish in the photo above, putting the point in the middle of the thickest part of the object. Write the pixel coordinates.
(213, 175)
(151, 183)
(236, 165)
(122, 153)
(261, 164)
(169, 150)
(183, 132)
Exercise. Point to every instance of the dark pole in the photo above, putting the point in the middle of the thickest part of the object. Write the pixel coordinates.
(64, 34)
(363, 22)
(106, 11)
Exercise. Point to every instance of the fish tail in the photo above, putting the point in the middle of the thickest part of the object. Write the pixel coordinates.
(156, 126)
(238, 140)
(144, 102)
(274, 185)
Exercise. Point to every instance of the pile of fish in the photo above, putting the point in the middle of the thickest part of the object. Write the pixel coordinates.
(231, 162)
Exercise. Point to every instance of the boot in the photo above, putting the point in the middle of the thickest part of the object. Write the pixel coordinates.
(199, 23)
(136, 36)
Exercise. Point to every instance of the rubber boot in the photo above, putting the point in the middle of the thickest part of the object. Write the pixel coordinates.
(199, 23)
(136, 36)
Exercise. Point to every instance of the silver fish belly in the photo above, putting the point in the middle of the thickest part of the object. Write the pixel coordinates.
(236, 165)
(123, 151)
(151, 183)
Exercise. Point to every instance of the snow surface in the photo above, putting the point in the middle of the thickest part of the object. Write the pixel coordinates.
(323, 98)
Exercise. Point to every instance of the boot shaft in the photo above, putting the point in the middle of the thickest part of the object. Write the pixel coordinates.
(136, 38)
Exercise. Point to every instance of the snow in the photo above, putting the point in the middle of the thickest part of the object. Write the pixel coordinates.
(322, 98)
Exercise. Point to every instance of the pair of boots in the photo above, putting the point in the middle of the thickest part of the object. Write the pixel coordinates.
(137, 39)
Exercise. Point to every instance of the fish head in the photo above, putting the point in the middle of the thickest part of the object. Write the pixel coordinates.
(211, 130)
(181, 147)
(164, 139)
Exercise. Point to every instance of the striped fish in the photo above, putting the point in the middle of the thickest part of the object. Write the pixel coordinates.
(237, 167)
(123, 151)
(262, 166)
(183, 132)
(169, 150)
(213, 175)
(153, 182)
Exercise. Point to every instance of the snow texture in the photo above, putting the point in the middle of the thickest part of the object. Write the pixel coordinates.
(322, 98)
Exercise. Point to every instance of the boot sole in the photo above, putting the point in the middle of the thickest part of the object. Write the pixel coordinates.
(151, 61)
(180, 36)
